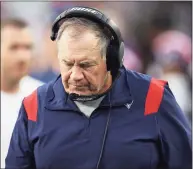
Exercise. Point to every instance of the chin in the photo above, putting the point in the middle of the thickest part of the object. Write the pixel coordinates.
(19, 75)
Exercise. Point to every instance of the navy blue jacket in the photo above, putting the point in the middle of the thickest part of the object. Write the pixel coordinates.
(146, 129)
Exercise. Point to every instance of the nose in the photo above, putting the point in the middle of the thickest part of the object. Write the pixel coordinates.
(23, 55)
(76, 74)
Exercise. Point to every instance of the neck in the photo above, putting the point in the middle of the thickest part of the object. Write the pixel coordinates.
(9, 87)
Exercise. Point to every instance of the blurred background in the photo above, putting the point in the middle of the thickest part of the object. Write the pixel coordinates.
(157, 36)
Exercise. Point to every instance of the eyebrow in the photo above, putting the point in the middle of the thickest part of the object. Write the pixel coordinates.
(89, 62)
(82, 62)
(67, 61)
(22, 45)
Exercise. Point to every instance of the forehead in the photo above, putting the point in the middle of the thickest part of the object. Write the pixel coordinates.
(11, 34)
(86, 45)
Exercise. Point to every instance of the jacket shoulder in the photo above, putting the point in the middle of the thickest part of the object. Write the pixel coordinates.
(139, 80)
(147, 90)
(32, 101)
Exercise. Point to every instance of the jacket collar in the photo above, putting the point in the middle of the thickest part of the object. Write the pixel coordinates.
(119, 94)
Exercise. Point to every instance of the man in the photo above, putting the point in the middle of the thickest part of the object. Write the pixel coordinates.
(97, 114)
(49, 70)
(172, 50)
(16, 53)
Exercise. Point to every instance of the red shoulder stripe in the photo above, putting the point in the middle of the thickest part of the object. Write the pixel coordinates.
(31, 106)
(154, 96)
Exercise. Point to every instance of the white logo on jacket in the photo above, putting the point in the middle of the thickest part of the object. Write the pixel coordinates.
(128, 105)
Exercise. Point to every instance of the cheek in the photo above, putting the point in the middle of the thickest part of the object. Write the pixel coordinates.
(7, 59)
(29, 55)
(65, 77)
(8, 62)
(95, 76)
(63, 69)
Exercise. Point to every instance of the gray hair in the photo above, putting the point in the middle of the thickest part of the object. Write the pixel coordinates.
(82, 24)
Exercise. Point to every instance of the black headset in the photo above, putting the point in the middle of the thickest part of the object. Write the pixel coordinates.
(115, 50)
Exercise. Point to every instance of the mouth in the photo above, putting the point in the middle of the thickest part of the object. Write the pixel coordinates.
(20, 67)
(78, 87)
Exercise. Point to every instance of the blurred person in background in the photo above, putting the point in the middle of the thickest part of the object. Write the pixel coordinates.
(16, 53)
(48, 62)
(131, 60)
(172, 50)
(97, 114)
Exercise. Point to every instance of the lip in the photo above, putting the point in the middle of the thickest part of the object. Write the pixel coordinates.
(20, 68)
(78, 86)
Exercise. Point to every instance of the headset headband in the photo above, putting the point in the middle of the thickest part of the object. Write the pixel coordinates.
(91, 14)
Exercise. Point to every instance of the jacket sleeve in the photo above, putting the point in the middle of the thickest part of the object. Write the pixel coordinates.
(20, 153)
(175, 133)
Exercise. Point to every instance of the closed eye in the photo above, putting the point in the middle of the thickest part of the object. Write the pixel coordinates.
(69, 64)
(85, 65)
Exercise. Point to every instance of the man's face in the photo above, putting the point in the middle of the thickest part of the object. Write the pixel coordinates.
(82, 67)
(16, 52)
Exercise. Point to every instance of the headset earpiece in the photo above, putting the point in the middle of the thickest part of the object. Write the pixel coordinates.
(121, 53)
